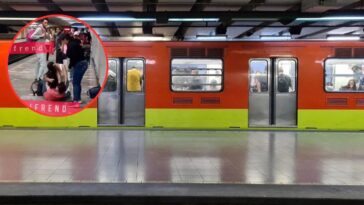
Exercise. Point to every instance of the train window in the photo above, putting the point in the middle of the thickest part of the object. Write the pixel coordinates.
(198, 75)
(111, 83)
(344, 75)
(286, 78)
(134, 75)
(258, 76)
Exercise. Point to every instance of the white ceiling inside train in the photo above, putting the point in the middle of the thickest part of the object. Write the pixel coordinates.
(198, 20)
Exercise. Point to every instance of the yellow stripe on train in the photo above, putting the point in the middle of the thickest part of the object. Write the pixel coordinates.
(319, 119)
(24, 117)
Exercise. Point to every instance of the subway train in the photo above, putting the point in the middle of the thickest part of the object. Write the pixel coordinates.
(298, 85)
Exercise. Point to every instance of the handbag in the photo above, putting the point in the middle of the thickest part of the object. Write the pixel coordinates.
(92, 92)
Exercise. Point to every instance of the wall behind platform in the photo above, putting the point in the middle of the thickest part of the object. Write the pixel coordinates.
(98, 58)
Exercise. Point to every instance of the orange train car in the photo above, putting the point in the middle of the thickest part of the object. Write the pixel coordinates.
(246, 85)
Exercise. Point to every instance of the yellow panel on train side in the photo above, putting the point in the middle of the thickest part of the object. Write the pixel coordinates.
(197, 118)
(331, 119)
(24, 117)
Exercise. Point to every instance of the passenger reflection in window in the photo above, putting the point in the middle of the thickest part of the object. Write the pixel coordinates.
(351, 86)
(134, 80)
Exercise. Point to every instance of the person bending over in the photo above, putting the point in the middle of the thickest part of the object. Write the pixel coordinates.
(56, 81)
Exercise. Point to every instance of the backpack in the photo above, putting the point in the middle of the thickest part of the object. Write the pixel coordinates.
(29, 35)
(283, 83)
(37, 88)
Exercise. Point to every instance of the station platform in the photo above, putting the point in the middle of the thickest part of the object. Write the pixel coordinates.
(180, 167)
(22, 75)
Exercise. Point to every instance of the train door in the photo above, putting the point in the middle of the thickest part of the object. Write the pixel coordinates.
(109, 101)
(272, 92)
(122, 100)
(133, 92)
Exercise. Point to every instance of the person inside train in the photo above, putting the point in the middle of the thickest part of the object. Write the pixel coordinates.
(351, 86)
(361, 79)
(260, 83)
(263, 83)
(255, 86)
(134, 80)
(111, 81)
(357, 72)
(284, 82)
(213, 85)
(196, 81)
(56, 80)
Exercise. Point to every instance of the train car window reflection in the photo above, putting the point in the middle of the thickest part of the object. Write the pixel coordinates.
(134, 75)
(201, 75)
(344, 75)
(258, 76)
(286, 78)
(111, 83)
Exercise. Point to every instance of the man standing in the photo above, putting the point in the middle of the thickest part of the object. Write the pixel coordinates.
(78, 65)
(134, 80)
(39, 36)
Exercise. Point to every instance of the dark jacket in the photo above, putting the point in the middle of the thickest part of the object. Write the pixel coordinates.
(284, 83)
(75, 52)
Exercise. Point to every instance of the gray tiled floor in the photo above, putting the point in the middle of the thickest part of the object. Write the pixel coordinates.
(182, 156)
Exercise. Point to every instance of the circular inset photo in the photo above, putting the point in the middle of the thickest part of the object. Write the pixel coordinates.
(57, 65)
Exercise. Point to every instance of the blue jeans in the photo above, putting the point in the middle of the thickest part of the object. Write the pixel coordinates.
(78, 71)
(41, 68)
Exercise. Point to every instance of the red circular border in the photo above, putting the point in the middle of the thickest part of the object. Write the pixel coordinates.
(98, 38)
